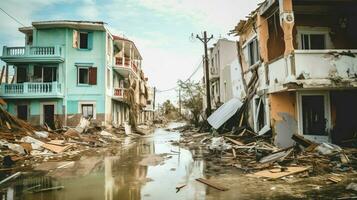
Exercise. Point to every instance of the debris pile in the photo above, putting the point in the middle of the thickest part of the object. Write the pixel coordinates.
(22, 145)
(255, 155)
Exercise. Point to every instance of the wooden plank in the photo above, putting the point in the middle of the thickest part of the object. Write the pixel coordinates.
(234, 153)
(276, 175)
(56, 148)
(2, 74)
(234, 141)
(209, 183)
(334, 179)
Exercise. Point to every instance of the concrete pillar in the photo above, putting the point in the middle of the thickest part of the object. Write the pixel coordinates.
(287, 22)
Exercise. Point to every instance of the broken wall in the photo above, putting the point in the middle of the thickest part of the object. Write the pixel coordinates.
(283, 117)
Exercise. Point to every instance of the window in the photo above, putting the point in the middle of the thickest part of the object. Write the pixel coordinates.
(44, 74)
(253, 52)
(87, 75)
(260, 118)
(87, 110)
(83, 76)
(82, 40)
(313, 115)
(313, 41)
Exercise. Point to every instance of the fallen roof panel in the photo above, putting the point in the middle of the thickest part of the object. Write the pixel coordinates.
(224, 113)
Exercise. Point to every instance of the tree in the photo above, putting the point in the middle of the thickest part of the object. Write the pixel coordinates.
(191, 99)
(168, 107)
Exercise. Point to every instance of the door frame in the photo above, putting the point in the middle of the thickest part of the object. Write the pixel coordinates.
(42, 111)
(326, 95)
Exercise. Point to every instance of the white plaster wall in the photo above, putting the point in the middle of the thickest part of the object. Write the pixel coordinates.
(318, 64)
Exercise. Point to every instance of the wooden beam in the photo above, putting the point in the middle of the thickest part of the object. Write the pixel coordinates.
(209, 183)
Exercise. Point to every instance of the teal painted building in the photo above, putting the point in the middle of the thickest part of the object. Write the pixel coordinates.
(69, 69)
(62, 72)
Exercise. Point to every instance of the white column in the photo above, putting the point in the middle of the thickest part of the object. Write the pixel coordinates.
(123, 57)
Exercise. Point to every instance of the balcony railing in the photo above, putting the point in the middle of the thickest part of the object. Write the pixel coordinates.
(51, 52)
(29, 89)
(119, 62)
(120, 93)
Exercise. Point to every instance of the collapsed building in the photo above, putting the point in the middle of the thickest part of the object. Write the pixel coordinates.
(299, 69)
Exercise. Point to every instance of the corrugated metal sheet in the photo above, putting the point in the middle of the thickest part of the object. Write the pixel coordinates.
(224, 113)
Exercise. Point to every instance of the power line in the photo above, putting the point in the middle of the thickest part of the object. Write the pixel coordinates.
(12, 17)
(189, 78)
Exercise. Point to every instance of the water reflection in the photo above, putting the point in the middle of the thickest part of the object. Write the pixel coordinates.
(121, 176)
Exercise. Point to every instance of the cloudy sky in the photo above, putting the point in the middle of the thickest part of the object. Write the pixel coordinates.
(160, 28)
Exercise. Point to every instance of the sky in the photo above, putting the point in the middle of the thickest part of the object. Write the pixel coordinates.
(161, 29)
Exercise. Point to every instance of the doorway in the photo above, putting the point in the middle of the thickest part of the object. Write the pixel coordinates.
(49, 115)
(314, 115)
(21, 74)
(22, 112)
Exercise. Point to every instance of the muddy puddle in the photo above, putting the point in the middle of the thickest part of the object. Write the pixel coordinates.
(145, 168)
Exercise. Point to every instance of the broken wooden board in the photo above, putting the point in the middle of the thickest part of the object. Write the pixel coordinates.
(276, 175)
(200, 135)
(302, 141)
(56, 148)
(234, 141)
(275, 156)
(57, 142)
(334, 179)
(209, 183)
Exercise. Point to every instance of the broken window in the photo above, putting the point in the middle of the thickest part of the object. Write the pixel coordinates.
(313, 115)
(253, 52)
(313, 41)
(260, 119)
(87, 110)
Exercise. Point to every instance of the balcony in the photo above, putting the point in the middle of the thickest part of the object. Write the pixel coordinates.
(125, 67)
(314, 69)
(31, 90)
(214, 74)
(120, 93)
(25, 54)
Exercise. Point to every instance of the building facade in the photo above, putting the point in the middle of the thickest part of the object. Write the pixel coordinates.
(303, 56)
(66, 70)
(221, 55)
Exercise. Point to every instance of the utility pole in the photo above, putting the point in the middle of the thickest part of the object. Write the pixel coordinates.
(205, 40)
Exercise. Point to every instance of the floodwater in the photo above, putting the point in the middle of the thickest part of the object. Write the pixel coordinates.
(145, 168)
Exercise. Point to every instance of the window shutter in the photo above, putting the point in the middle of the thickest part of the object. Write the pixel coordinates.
(90, 40)
(75, 39)
(92, 76)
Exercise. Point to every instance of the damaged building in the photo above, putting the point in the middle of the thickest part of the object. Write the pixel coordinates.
(303, 55)
(72, 69)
